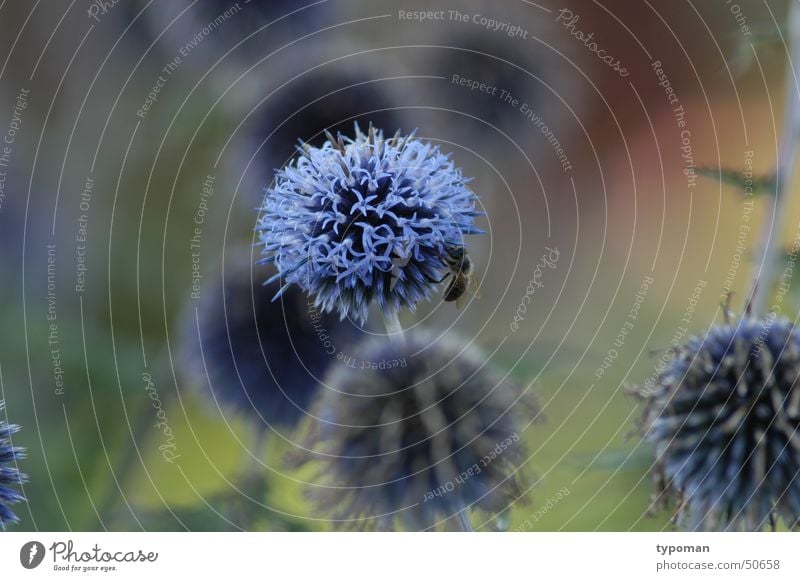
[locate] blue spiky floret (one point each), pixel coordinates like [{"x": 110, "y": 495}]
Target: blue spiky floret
[
  {"x": 724, "y": 416},
  {"x": 10, "y": 476},
  {"x": 366, "y": 220}
]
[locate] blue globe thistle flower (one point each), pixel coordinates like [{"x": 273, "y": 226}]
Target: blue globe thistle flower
[
  {"x": 411, "y": 436},
  {"x": 724, "y": 417},
  {"x": 261, "y": 358},
  {"x": 10, "y": 475},
  {"x": 366, "y": 220}
]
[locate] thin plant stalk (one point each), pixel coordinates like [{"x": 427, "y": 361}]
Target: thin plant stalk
[
  {"x": 463, "y": 521},
  {"x": 393, "y": 327},
  {"x": 774, "y": 216}
]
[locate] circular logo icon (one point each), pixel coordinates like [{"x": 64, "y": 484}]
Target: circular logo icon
[{"x": 31, "y": 554}]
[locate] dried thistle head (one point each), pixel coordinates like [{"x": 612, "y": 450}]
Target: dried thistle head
[
  {"x": 412, "y": 436},
  {"x": 724, "y": 417}
]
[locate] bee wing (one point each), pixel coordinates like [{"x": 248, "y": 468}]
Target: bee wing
[
  {"x": 461, "y": 301},
  {"x": 475, "y": 284},
  {"x": 446, "y": 295}
]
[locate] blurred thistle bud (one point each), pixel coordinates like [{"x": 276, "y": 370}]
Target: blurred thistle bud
[
  {"x": 197, "y": 34},
  {"x": 502, "y": 91},
  {"x": 366, "y": 220},
  {"x": 724, "y": 416},
  {"x": 251, "y": 355},
  {"x": 500, "y": 65},
  {"x": 10, "y": 476},
  {"x": 415, "y": 436},
  {"x": 330, "y": 98}
]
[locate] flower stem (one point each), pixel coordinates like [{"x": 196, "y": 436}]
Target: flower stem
[
  {"x": 463, "y": 521},
  {"x": 109, "y": 505},
  {"x": 393, "y": 327},
  {"x": 770, "y": 243}
]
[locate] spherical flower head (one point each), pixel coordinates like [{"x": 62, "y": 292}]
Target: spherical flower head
[
  {"x": 724, "y": 417},
  {"x": 414, "y": 437},
  {"x": 260, "y": 358},
  {"x": 10, "y": 476},
  {"x": 366, "y": 220}
]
